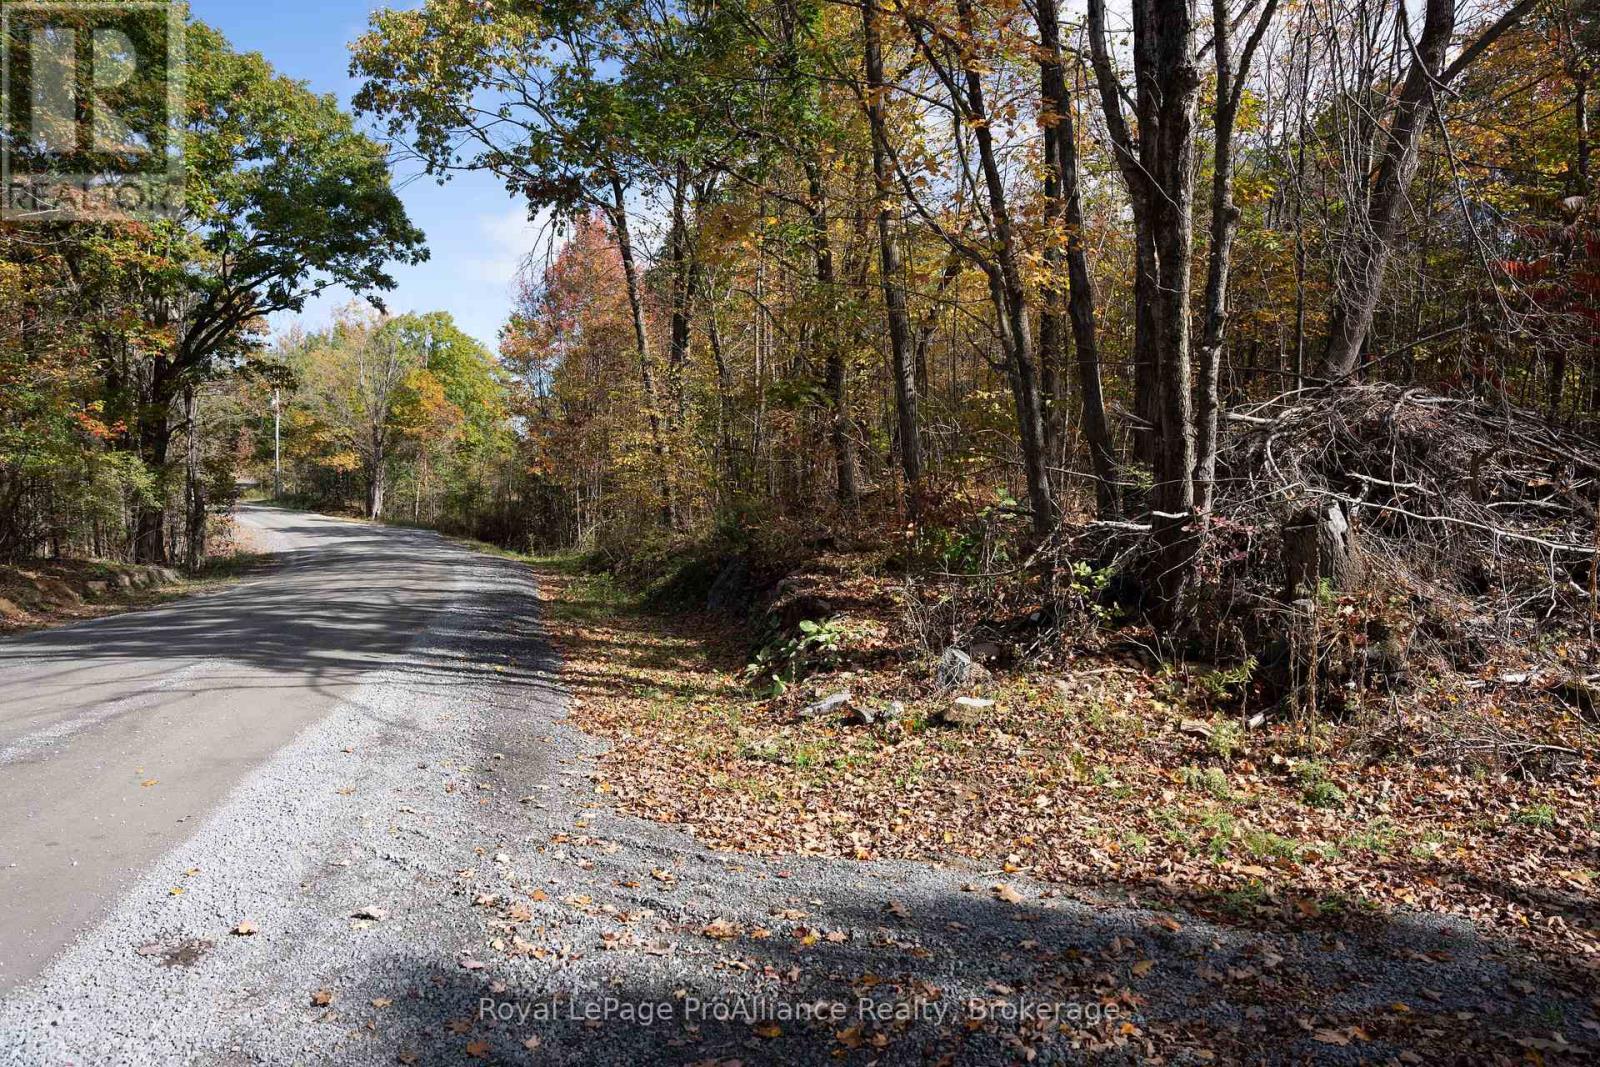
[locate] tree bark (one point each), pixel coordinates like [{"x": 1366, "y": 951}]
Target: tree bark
[
  {"x": 194, "y": 483},
  {"x": 1361, "y": 269},
  {"x": 1231, "y": 78},
  {"x": 1063, "y": 188},
  {"x": 1168, "y": 86},
  {"x": 155, "y": 438},
  {"x": 846, "y": 488},
  {"x": 1016, "y": 327},
  {"x": 1147, "y": 274},
  {"x": 618, "y": 212},
  {"x": 901, "y": 357},
  {"x": 1580, "y": 118},
  {"x": 376, "y": 473}
]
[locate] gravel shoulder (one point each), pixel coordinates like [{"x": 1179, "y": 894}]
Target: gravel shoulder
[{"x": 433, "y": 874}]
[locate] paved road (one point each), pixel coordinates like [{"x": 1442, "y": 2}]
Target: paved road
[{"x": 189, "y": 698}]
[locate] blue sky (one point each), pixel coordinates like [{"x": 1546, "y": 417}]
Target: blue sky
[{"x": 476, "y": 233}]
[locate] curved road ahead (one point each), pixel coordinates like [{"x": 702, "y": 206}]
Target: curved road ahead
[{"x": 116, "y": 734}]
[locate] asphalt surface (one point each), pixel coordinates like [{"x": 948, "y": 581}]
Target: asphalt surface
[{"x": 369, "y": 753}]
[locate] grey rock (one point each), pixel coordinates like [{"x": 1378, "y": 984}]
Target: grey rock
[
  {"x": 966, "y": 711},
  {"x": 826, "y": 705},
  {"x": 957, "y": 669},
  {"x": 868, "y": 714}
]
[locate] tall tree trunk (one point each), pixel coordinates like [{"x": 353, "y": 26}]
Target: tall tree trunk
[
  {"x": 901, "y": 356},
  {"x": 155, "y": 437},
  {"x": 1146, "y": 345},
  {"x": 1147, "y": 272},
  {"x": 1168, "y": 86},
  {"x": 1231, "y": 77},
  {"x": 1361, "y": 268},
  {"x": 1061, "y": 179},
  {"x": 681, "y": 268},
  {"x": 846, "y": 489},
  {"x": 376, "y": 472},
  {"x": 727, "y": 465},
  {"x": 1016, "y": 326},
  {"x": 1580, "y": 119},
  {"x": 194, "y": 484},
  {"x": 618, "y": 212}
]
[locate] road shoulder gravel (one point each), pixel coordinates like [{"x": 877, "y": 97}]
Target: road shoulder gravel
[{"x": 429, "y": 875}]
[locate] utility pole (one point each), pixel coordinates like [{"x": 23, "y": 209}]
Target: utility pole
[{"x": 277, "y": 445}]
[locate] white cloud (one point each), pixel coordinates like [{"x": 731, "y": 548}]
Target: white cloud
[{"x": 508, "y": 237}]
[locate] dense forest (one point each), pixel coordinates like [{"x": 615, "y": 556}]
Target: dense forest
[
  {"x": 1181, "y": 294},
  {"x": 959, "y": 508},
  {"x": 121, "y": 339}
]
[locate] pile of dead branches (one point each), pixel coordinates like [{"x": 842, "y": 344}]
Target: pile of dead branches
[{"x": 1481, "y": 513}]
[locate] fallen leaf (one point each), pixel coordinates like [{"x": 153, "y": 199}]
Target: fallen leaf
[
  {"x": 1007, "y": 894},
  {"x": 478, "y": 1050},
  {"x": 322, "y": 998},
  {"x": 245, "y": 928},
  {"x": 148, "y": 782},
  {"x": 769, "y": 1031},
  {"x": 376, "y": 915}
]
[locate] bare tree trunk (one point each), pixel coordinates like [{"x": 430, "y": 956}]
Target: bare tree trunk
[
  {"x": 376, "y": 473},
  {"x": 679, "y": 262},
  {"x": 1580, "y": 117},
  {"x": 846, "y": 489},
  {"x": 155, "y": 437},
  {"x": 1016, "y": 326},
  {"x": 641, "y": 338},
  {"x": 1146, "y": 276},
  {"x": 1224, "y": 226},
  {"x": 194, "y": 485},
  {"x": 1361, "y": 268},
  {"x": 1168, "y": 86},
  {"x": 1062, "y": 185},
  {"x": 726, "y": 461},
  {"x": 901, "y": 356}
]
